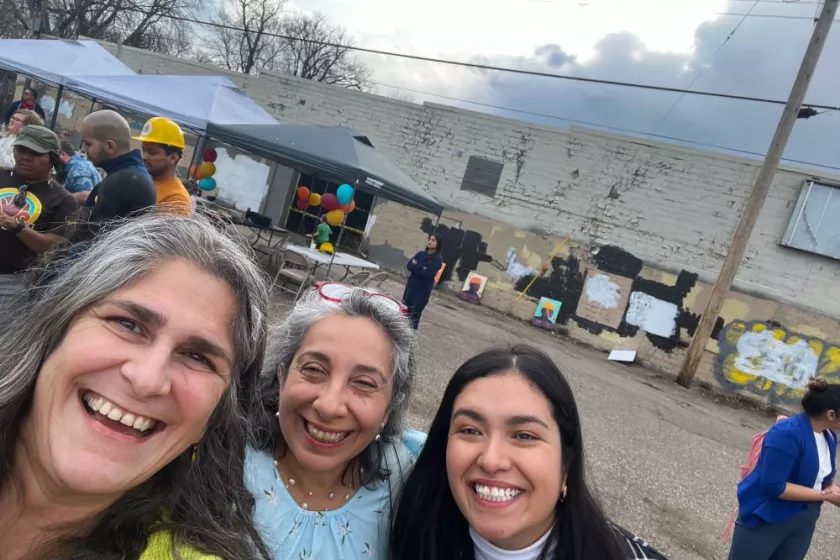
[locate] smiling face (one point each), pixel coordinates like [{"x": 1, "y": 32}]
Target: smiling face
[
  {"x": 336, "y": 395},
  {"x": 133, "y": 383},
  {"x": 504, "y": 460},
  {"x": 16, "y": 123}
]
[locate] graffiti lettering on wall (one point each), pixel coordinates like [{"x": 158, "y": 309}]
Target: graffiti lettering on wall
[
  {"x": 462, "y": 250},
  {"x": 613, "y": 298},
  {"x": 770, "y": 361}
]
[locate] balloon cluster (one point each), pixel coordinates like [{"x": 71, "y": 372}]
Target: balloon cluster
[
  {"x": 337, "y": 205},
  {"x": 206, "y": 170}
]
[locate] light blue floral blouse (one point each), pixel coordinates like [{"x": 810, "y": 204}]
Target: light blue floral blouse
[{"x": 358, "y": 530}]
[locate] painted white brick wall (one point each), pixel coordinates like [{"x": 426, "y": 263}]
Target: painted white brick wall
[{"x": 672, "y": 207}]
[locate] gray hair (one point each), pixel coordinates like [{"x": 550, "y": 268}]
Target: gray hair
[
  {"x": 285, "y": 341},
  {"x": 207, "y": 502}
]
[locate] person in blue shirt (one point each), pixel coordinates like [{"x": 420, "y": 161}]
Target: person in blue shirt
[
  {"x": 330, "y": 452},
  {"x": 423, "y": 267},
  {"x": 780, "y": 500},
  {"x": 80, "y": 175}
]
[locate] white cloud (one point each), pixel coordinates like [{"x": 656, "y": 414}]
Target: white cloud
[{"x": 663, "y": 42}]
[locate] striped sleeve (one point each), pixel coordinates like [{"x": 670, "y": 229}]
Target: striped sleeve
[{"x": 635, "y": 547}]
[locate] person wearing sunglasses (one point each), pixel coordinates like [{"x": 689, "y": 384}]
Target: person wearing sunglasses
[
  {"x": 7, "y": 141},
  {"x": 34, "y": 211},
  {"x": 330, "y": 451},
  {"x": 28, "y": 102}
]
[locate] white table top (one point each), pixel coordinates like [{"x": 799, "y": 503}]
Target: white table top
[{"x": 341, "y": 259}]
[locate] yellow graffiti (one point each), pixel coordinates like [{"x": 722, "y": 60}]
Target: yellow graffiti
[{"x": 767, "y": 360}]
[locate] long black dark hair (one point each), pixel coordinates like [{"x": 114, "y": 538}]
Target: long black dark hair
[
  {"x": 439, "y": 248},
  {"x": 427, "y": 524}
]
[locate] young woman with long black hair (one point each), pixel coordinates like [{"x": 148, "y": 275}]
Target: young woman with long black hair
[
  {"x": 502, "y": 472},
  {"x": 423, "y": 268}
]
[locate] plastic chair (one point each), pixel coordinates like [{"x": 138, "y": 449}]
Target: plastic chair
[
  {"x": 292, "y": 267},
  {"x": 376, "y": 280},
  {"x": 357, "y": 279}
]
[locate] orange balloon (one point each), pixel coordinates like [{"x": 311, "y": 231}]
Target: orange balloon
[
  {"x": 303, "y": 193},
  {"x": 347, "y": 208},
  {"x": 192, "y": 171}
]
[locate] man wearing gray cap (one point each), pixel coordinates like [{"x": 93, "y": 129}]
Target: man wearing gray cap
[{"x": 34, "y": 211}]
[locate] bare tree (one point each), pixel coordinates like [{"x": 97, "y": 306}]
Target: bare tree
[
  {"x": 402, "y": 96},
  {"x": 314, "y": 49},
  {"x": 245, "y": 38},
  {"x": 151, "y": 24}
]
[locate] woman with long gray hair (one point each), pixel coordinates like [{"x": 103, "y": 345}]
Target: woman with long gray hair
[
  {"x": 122, "y": 391},
  {"x": 331, "y": 451}
]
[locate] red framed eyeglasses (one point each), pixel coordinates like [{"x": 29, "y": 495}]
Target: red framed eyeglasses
[{"x": 336, "y": 292}]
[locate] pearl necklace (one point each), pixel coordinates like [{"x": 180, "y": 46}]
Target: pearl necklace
[{"x": 291, "y": 482}]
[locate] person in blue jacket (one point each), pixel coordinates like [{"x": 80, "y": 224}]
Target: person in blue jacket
[
  {"x": 423, "y": 268},
  {"x": 780, "y": 500}
]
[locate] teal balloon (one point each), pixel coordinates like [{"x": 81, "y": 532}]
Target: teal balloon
[
  {"x": 207, "y": 184},
  {"x": 344, "y": 194}
]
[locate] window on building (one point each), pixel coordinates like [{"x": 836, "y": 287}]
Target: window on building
[
  {"x": 814, "y": 226},
  {"x": 482, "y": 176}
]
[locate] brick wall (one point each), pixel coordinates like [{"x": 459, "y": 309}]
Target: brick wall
[
  {"x": 647, "y": 222},
  {"x": 671, "y": 207}
]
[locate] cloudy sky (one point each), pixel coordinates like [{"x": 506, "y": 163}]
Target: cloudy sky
[{"x": 662, "y": 42}]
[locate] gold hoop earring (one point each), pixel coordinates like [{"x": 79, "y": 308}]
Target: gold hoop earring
[{"x": 195, "y": 453}]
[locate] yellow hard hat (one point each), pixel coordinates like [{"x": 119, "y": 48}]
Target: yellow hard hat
[{"x": 160, "y": 130}]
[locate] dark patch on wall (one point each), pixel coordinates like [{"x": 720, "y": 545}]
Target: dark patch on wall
[
  {"x": 676, "y": 294},
  {"x": 463, "y": 250},
  {"x": 615, "y": 260},
  {"x": 563, "y": 282}
]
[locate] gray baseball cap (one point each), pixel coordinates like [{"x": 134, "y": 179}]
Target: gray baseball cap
[{"x": 39, "y": 139}]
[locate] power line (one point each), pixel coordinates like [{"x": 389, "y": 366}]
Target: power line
[
  {"x": 703, "y": 68},
  {"x": 492, "y": 68},
  {"x": 608, "y": 127},
  {"x": 780, "y": 2}
]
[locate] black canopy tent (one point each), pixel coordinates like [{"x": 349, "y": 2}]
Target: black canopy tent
[
  {"x": 329, "y": 152},
  {"x": 334, "y": 153}
]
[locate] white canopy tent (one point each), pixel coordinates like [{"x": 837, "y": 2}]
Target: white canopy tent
[
  {"x": 191, "y": 101},
  {"x": 53, "y": 61}
]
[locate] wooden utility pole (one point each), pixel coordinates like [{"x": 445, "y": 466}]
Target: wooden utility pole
[{"x": 741, "y": 237}]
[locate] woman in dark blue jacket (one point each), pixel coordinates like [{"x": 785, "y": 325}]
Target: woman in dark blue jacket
[
  {"x": 423, "y": 268},
  {"x": 780, "y": 500}
]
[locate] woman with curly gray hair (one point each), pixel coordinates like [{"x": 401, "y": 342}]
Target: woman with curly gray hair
[
  {"x": 123, "y": 387},
  {"x": 331, "y": 451}
]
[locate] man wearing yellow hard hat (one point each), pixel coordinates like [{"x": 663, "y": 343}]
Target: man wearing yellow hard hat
[{"x": 163, "y": 148}]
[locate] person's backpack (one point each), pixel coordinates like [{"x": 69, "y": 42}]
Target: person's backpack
[{"x": 752, "y": 461}]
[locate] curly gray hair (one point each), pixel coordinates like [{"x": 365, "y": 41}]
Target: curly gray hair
[{"x": 285, "y": 340}]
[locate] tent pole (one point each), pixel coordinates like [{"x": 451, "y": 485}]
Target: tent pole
[
  {"x": 437, "y": 223},
  {"x": 54, "y": 116},
  {"x": 341, "y": 231}
]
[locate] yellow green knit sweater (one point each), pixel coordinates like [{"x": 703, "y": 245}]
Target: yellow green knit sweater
[{"x": 160, "y": 548}]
